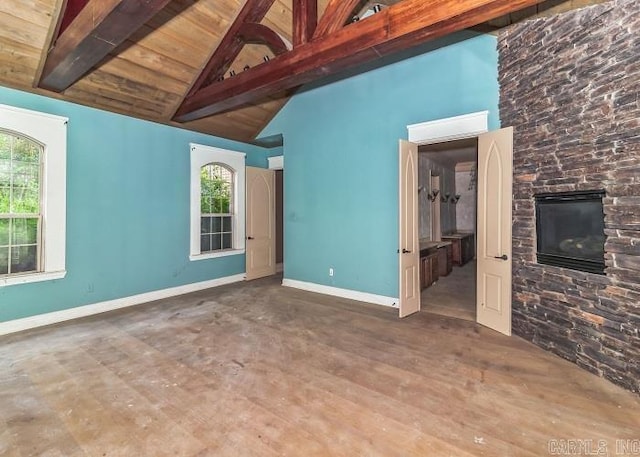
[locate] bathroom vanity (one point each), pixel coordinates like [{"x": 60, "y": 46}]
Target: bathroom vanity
[
  {"x": 463, "y": 247},
  {"x": 436, "y": 259}
]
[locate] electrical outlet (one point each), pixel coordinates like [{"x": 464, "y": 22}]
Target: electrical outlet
[{"x": 330, "y": 271}]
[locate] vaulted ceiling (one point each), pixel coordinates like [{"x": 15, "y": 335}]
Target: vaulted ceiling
[{"x": 223, "y": 67}]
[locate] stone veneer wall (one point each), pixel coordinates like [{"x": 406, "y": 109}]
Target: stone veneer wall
[{"x": 570, "y": 87}]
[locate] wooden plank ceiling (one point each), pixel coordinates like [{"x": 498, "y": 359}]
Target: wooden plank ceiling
[{"x": 148, "y": 70}]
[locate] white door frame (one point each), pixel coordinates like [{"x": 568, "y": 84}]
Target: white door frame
[
  {"x": 277, "y": 163},
  {"x": 448, "y": 129}
]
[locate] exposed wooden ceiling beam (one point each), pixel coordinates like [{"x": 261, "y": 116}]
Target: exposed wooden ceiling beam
[
  {"x": 252, "y": 32},
  {"x": 305, "y": 20},
  {"x": 98, "y": 28},
  {"x": 335, "y": 16},
  {"x": 398, "y": 27},
  {"x": 231, "y": 44},
  {"x": 70, "y": 10}
]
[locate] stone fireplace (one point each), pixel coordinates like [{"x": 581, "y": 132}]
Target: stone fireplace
[{"x": 570, "y": 87}]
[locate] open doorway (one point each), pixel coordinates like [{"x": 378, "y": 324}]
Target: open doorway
[
  {"x": 447, "y": 205},
  {"x": 279, "y": 220},
  {"x": 276, "y": 163},
  {"x": 494, "y": 219}
]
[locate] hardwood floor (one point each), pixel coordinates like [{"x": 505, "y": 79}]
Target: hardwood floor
[
  {"x": 453, "y": 295},
  {"x": 257, "y": 369}
]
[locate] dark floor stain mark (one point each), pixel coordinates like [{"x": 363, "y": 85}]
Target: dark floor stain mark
[{"x": 238, "y": 363}]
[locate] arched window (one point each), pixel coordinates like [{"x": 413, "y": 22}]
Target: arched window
[
  {"x": 217, "y": 181},
  {"x": 216, "y": 208},
  {"x": 20, "y": 204}
]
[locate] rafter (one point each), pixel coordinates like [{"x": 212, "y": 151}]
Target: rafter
[
  {"x": 335, "y": 16},
  {"x": 71, "y": 9},
  {"x": 252, "y": 32},
  {"x": 98, "y": 28},
  {"x": 229, "y": 48},
  {"x": 398, "y": 27},
  {"x": 305, "y": 20}
]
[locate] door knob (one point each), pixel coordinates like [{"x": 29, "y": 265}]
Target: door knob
[
  {"x": 502, "y": 257},
  {"x": 249, "y": 237},
  {"x": 404, "y": 251}
]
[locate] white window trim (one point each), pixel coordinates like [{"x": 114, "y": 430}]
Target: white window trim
[
  {"x": 51, "y": 131},
  {"x": 200, "y": 156}
]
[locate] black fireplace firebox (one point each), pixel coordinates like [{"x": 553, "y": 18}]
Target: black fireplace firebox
[{"x": 570, "y": 230}]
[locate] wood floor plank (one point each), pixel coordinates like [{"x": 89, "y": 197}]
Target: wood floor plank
[
  {"x": 453, "y": 295},
  {"x": 102, "y": 414},
  {"x": 257, "y": 369},
  {"x": 200, "y": 401}
]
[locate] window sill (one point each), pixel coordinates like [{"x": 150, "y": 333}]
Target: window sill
[
  {"x": 215, "y": 255},
  {"x": 32, "y": 277}
]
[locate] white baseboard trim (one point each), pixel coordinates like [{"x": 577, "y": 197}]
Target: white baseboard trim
[
  {"x": 55, "y": 317},
  {"x": 343, "y": 293}
]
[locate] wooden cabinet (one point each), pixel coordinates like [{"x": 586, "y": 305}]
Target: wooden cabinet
[
  {"x": 468, "y": 248},
  {"x": 428, "y": 270},
  {"x": 463, "y": 247},
  {"x": 445, "y": 259}
]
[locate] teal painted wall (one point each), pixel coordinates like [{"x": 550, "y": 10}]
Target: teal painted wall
[
  {"x": 127, "y": 210},
  {"x": 341, "y": 158},
  {"x": 275, "y": 151}
]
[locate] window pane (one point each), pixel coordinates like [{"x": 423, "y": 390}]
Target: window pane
[
  {"x": 5, "y": 145},
  {"x": 25, "y": 174},
  {"x": 19, "y": 174},
  {"x": 216, "y": 183},
  {"x": 224, "y": 205},
  {"x": 217, "y": 225},
  {"x": 216, "y": 242},
  {"x": 27, "y": 168},
  {"x": 4, "y": 261},
  {"x": 25, "y": 150},
  {"x": 205, "y": 224},
  {"x": 226, "y": 224},
  {"x": 5, "y": 171},
  {"x": 24, "y": 231},
  {"x": 24, "y": 259},
  {"x": 4, "y": 199},
  {"x": 26, "y": 200},
  {"x": 205, "y": 243},
  {"x": 217, "y": 206},
  {"x": 206, "y": 206},
  {"x": 4, "y": 232},
  {"x": 226, "y": 241},
  {"x": 216, "y": 187}
]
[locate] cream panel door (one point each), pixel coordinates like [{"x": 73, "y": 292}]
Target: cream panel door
[
  {"x": 495, "y": 171},
  {"x": 261, "y": 223},
  {"x": 409, "y": 250}
]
